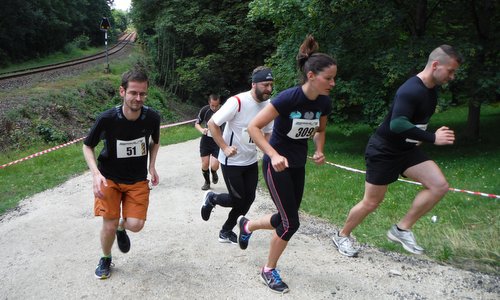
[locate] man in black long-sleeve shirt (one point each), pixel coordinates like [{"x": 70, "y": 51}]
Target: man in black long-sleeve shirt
[{"x": 393, "y": 150}]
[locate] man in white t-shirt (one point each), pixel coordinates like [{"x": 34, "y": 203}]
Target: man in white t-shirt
[{"x": 238, "y": 155}]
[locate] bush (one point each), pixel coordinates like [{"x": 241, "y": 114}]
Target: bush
[{"x": 81, "y": 42}]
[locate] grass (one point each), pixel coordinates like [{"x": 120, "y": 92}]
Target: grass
[
  {"x": 49, "y": 170},
  {"x": 65, "y": 95},
  {"x": 468, "y": 227},
  {"x": 467, "y": 231}
]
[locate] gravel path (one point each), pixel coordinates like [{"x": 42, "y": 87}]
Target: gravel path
[{"x": 50, "y": 246}]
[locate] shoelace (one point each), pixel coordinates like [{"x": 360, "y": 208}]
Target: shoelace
[
  {"x": 107, "y": 263},
  {"x": 345, "y": 239},
  {"x": 276, "y": 276},
  {"x": 246, "y": 236}
]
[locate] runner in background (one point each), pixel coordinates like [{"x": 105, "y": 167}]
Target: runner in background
[{"x": 209, "y": 151}]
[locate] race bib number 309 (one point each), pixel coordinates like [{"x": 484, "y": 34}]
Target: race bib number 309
[
  {"x": 303, "y": 129},
  {"x": 133, "y": 148}
]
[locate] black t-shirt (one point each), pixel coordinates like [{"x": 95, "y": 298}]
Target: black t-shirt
[
  {"x": 203, "y": 117},
  {"x": 297, "y": 121},
  {"x": 124, "y": 157}
]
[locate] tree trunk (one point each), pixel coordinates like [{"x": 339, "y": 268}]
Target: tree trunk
[
  {"x": 421, "y": 18},
  {"x": 472, "y": 130}
]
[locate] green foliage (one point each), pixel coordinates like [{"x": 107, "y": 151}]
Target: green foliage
[
  {"x": 120, "y": 20},
  {"x": 379, "y": 46},
  {"x": 25, "y": 26},
  {"x": 50, "y": 134},
  {"x": 82, "y": 42},
  {"x": 202, "y": 47}
]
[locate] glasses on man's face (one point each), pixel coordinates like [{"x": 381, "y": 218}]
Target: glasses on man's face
[{"x": 134, "y": 94}]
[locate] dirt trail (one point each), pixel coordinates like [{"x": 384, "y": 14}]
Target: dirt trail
[{"x": 50, "y": 246}]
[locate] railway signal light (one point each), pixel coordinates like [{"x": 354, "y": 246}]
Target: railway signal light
[
  {"x": 105, "y": 24},
  {"x": 104, "y": 27}
]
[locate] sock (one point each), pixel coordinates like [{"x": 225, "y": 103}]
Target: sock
[
  {"x": 107, "y": 255},
  {"x": 206, "y": 175},
  {"x": 213, "y": 172},
  {"x": 267, "y": 270},
  {"x": 400, "y": 228},
  {"x": 245, "y": 227},
  {"x": 120, "y": 225}
]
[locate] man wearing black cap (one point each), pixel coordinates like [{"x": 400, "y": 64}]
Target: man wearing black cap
[{"x": 238, "y": 157}]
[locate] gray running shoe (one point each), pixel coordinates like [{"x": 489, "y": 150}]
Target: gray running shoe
[
  {"x": 207, "y": 205},
  {"x": 273, "y": 281},
  {"x": 228, "y": 237},
  {"x": 405, "y": 238},
  {"x": 344, "y": 244}
]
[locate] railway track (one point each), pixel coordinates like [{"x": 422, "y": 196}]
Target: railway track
[{"x": 123, "y": 41}]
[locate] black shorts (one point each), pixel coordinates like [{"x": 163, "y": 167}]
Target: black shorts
[
  {"x": 208, "y": 146},
  {"x": 384, "y": 163}
]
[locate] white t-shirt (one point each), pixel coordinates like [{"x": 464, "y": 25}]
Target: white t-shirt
[{"x": 235, "y": 133}]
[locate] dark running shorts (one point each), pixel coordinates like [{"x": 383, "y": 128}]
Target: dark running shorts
[
  {"x": 384, "y": 163},
  {"x": 208, "y": 146}
]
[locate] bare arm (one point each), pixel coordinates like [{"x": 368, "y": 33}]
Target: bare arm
[
  {"x": 319, "y": 141},
  {"x": 202, "y": 130},
  {"x": 155, "y": 179},
  {"x": 97, "y": 179},
  {"x": 219, "y": 140},
  {"x": 264, "y": 117}
]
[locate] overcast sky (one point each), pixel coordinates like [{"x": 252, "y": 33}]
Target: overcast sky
[{"x": 122, "y": 4}]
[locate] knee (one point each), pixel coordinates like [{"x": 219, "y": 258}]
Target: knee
[
  {"x": 134, "y": 226},
  {"x": 290, "y": 230},
  {"x": 440, "y": 188},
  {"x": 369, "y": 205},
  {"x": 109, "y": 228}
]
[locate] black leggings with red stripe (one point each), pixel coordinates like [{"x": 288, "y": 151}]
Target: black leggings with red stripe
[{"x": 286, "y": 189}]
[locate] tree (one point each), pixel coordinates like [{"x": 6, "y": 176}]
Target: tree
[
  {"x": 201, "y": 47},
  {"x": 120, "y": 20},
  {"x": 33, "y": 28},
  {"x": 380, "y": 46}
]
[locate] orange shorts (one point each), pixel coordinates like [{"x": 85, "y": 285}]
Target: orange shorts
[{"x": 133, "y": 199}]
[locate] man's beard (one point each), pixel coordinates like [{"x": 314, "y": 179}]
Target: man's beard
[{"x": 260, "y": 95}]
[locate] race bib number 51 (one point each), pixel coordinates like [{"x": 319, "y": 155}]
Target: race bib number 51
[
  {"x": 133, "y": 148},
  {"x": 303, "y": 129}
]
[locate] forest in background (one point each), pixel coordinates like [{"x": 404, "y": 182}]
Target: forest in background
[
  {"x": 35, "y": 28},
  {"x": 198, "y": 47},
  {"x": 203, "y": 46}
]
